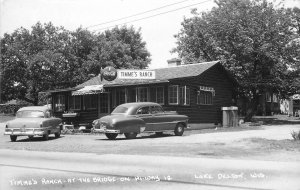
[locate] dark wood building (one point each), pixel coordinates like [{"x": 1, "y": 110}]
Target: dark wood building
[
  {"x": 269, "y": 103},
  {"x": 196, "y": 90}
]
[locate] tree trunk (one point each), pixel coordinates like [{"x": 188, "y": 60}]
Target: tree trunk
[{"x": 252, "y": 108}]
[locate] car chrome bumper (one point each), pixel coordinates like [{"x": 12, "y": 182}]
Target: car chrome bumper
[
  {"x": 24, "y": 132},
  {"x": 103, "y": 130}
]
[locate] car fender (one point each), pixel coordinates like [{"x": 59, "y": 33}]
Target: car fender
[{"x": 129, "y": 124}]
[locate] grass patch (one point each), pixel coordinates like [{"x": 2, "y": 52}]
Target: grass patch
[{"x": 267, "y": 144}]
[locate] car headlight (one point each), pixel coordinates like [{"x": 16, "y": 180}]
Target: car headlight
[{"x": 95, "y": 122}]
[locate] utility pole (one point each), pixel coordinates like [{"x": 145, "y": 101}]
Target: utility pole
[
  {"x": 1, "y": 74},
  {"x": 0, "y": 87}
]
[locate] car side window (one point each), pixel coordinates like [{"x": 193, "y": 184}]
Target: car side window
[
  {"x": 156, "y": 109},
  {"x": 143, "y": 110}
]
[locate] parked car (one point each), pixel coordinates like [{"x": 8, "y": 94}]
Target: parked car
[
  {"x": 138, "y": 117},
  {"x": 33, "y": 121}
]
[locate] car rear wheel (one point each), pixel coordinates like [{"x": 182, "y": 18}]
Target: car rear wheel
[
  {"x": 130, "y": 135},
  {"x": 57, "y": 134},
  {"x": 46, "y": 137},
  {"x": 111, "y": 136},
  {"x": 179, "y": 129},
  {"x": 13, "y": 138}
]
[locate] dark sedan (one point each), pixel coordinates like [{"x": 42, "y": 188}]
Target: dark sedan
[{"x": 138, "y": 117}]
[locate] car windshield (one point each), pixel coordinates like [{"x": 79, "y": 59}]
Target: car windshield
[
  {"x": 120, "y": 109},
  {"x": 28, "y": 113}
]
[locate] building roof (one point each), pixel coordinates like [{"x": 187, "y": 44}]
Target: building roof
[{"x": 162, "y": 75}]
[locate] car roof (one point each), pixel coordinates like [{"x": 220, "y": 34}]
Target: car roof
[
  {"x": 35, "y": 108},
  {"x": 133, "y": 106},
  {"x": 139, "y": 104}
]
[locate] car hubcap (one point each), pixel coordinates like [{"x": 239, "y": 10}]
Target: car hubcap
[{"x": 179, "y": 129}]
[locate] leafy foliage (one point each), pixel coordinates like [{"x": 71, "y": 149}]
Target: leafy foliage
[
  {"x": 255, "y": 41},
  {"x": 296, "y": 135},
  {"x": 121, "y": 48},
  {"x": 48, "y": 57}
]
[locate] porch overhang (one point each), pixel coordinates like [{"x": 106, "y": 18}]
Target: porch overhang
[{"x": 91, "y": 89}]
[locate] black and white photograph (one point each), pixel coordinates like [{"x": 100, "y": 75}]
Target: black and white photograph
[{"x": 140, "y": 94}]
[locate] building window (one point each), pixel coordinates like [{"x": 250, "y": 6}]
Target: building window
[
  {"x": 268, "y": 97},
  {"x": 157, "y": 95},
  {"x": 179, "y": 95},
  {"x": 59, "y": 103},
  {"x": 160, "y": 95},
  {"x": 173, "y": 94},
  {"x": 205, "y": 95},
  {"x": 131, "y": 94},
  {"x": 142, "y": 94},
  {"x": 275, "y": 98},
  {"x": 74, "y": 102},
  {"x": 104, "y": 103},
  {"x": 120, "y": 96},
  {"x": 90, "y": 101}
]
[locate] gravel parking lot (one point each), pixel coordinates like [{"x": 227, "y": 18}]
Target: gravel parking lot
[{"x": 260, "y": 142}]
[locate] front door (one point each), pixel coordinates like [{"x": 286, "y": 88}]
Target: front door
[
  {"x": 160, "y": 120},
  {"x": 144, "y": 114}
]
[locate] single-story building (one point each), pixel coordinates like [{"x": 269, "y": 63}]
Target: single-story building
[
  {"x": 269, "y": 103},
  {"x": 196, "y": 90},
  {"x": 291, "y": 106}
]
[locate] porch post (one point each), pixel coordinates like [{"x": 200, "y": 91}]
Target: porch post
[
  {"x": 98, "y": 105},
  {"x": 109, "y": 108},
  {"x": 126, "y": 95},
  {"x": 136, "y": 94}
]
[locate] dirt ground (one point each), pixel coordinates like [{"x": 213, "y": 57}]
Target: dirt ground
[{"x": 266, "y": 142}]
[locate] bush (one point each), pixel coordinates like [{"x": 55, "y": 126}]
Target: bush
[{"x": 296, "y": 135}]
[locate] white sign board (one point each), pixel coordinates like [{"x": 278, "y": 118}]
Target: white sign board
[{"x": 136, "y": 74}]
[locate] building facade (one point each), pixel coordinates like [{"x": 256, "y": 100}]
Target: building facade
[{"x": 196, "y": 90}]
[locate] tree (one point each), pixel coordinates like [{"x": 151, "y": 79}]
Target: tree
[
  {"x": 252, "y": 38},
  {"x": 121, "y": 48},
  {"x": 31, "y": 61},
  {"x": 49, "y": 57}
]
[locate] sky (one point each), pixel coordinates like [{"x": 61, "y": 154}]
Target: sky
[{"x": 157, "y": 31}]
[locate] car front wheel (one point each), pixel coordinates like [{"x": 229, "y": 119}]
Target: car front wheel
[
  {"x": 130, "y": 135},
  {"x": 57, "y": 134},
  {"x": 46, "y": 137},
  {"x": 13, "y": 138},
  {"x": 111, "y": 136},
  {"x": 179, "y": 129}
]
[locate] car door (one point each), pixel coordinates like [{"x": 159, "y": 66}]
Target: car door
[
  {"x": 53, "y": 122},
  {"x": 161, "y": 121},
  {"x": 144, "y": 114}
]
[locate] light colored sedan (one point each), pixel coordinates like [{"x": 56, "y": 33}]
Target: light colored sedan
[
  {"x": 138, "y": 117},
  {"x": 33, "y": 121}
]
